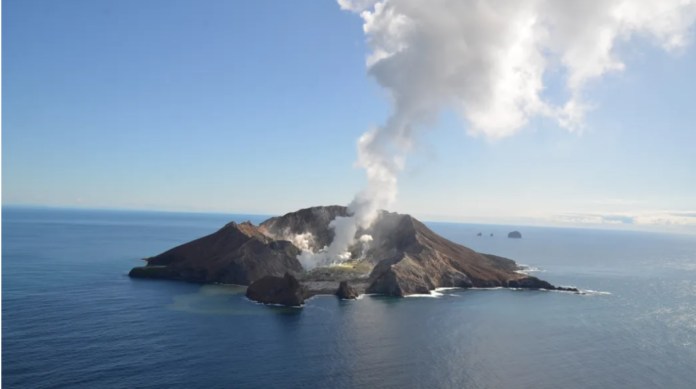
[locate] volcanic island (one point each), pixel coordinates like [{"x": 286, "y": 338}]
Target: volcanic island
[{"x": 401, "y": 257}]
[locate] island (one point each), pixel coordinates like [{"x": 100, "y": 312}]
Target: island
[
  {"x": 515, "y": 235},
  {"x": 401, "y": 258}
]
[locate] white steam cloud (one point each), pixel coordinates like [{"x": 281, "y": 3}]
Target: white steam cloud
[{"x": 486, "y": 60}]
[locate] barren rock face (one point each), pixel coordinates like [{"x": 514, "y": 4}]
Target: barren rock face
[
  {"x": 284, "y": 290},
  {"x": 346, "y": 292},
  {"x": 235, "y": 254},
  {"x": 425, "y": 261}
]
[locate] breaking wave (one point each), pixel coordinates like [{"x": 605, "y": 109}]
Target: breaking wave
[
  {"x": 276, "y": 305},
  {"x": 593, "y": 292},
  {"x": 433, "y": 293},
  {"x": 526, "y": 269}
]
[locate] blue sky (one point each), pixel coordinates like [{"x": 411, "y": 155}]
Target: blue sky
[{"x": 256, "y": 107}]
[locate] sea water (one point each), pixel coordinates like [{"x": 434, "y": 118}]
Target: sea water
[{"x": 71, "y": 318}]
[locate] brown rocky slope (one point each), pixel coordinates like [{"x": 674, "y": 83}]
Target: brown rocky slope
[{"x": 235, "y": 254}]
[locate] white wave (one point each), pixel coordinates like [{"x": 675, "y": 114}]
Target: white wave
[
  {"x": 526, "y": 270},
  {"x": 433, "y": 293},
  {"x": 275, "y": 305},
  {"x": 361, "y": 296},
  {"x": 545, "y": 290},
  {"x": 494, "y": 288},
  {"x": 593, "y": 292}
]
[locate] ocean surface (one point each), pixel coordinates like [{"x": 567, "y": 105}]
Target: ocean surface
[{"x": 71, "y": 318}]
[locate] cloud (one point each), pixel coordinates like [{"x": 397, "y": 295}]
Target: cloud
[
  {"x": 646, "y": 218},
  {"x": 356, "y": 5},
  {"x": 575, "y": 218},
  {"x": 487, "y": 59},
  {"x": 617, "y": 202},
  {"x": 667, "y": 219}
]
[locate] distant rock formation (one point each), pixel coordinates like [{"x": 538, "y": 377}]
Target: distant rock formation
[
  {"x": 346, "y": 292},
  {"x": 404, "y": 257},
  {"x": 479, "y": 234},
  {"x": 535, "y": 283},
  {"x": 491, "y": 234},
  {"x": 515, "y": 234},
  {"x": 284, "y": 290}
]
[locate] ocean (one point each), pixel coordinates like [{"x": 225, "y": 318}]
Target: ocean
[{"x": 71, "y": 318}]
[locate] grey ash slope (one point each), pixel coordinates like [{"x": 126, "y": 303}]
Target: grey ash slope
[{"x": 405, "y": 257}]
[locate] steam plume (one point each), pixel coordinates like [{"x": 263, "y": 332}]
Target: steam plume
[{"x": 486, "y": 60}]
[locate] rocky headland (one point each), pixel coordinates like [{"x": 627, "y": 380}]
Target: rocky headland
[{"x": 403, "y": 257}]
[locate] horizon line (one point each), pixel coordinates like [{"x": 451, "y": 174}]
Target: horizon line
[{"x": 578, "y": 226}]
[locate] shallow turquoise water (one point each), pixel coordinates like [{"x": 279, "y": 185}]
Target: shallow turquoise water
[{"x": 73, "y": 319}]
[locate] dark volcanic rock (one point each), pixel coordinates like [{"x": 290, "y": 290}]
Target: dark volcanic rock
[
  {"x": 284, "y": 290},
  {"x": 515, "y": 234},
  {"x": 535, "y": 283},
  {"x": 574, "y": 290},
  {"x": 346, "y": 292},
  {"x": 235, "y": 254},
  {"x": 155, "y": 272},
  {"x": 530, "y": 283}
]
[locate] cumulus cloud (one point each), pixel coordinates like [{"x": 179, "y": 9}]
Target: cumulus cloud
[{"x": 487, "y": 59}]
